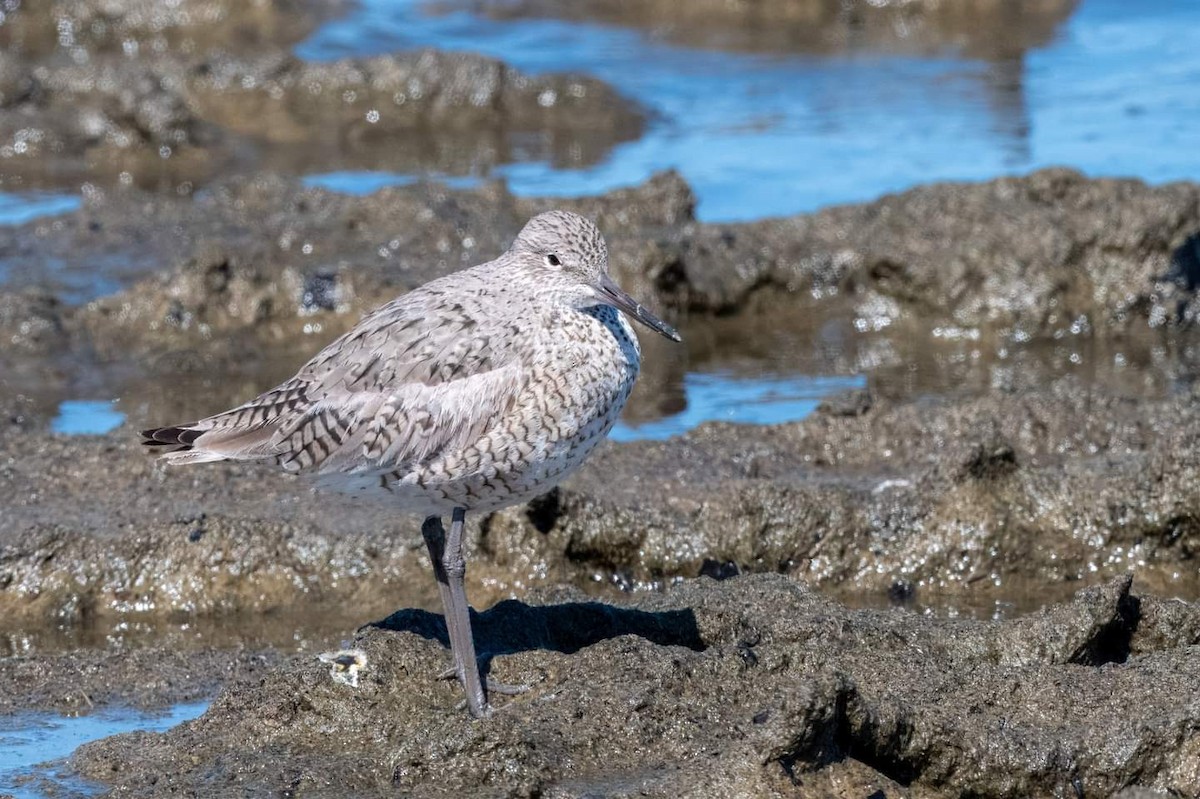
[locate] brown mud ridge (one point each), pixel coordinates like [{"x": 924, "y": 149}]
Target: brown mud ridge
[
  {"x": 753, "y": 686},
  {"x": 1053, "y": 488},
  {"x": 229, "y": 290},
  {"x": 146, "y": 678},
  {"x": 977, "y": 28},
  {"x": 263, "y": 261},
  {"x": 174, "y": 95},
  {"x": 1049, "y": 481}
]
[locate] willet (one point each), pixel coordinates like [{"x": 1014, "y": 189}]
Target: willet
[{"x": 478, "y": 390}]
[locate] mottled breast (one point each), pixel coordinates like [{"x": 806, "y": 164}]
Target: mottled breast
[{"x": 578, "y": 374}]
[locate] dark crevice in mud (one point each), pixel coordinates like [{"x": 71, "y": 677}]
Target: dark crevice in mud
[
  {"x": 883, "y": 734},
  {"x": 1176, "y": 287},
  {"x": 543, "y": 512},
  {"x": 865, "y": 749},
  {"x": 990, "y": 459},
  {"x": 1113, "y": 642},
  {"x": 1185, "y": 264},
  {"x": 719, "y": 569},
  {"x": 842, "y": 738}
]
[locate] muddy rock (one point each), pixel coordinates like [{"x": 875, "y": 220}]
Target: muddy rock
[
  {"x": 1052, "y": 254},
  {"x": 749, "y": 686},
  {"x": 79, "y": 545},
  {"x": 388, "y": 107},
  {"x": 84, "y": 29},
  {"x": 146, "y": 678},
  {"x": 269, "y": 263},
  {"x": 1053, "y": 489},
  {"x": 170, "y": 96},
  {"x": 816, "y": 26},
  {"x": 178, "y": 121}
]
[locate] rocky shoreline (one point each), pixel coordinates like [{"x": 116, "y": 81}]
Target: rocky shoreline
[
  {"x": 1050, "y": 254},
  {"x": 752, "y": 686},
  {"x": 131, "y": 94},
  {"x": 1050, "y": 483},
  {"x": 201, "y": 268}
]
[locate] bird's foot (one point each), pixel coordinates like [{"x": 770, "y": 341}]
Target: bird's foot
[
  {"x": 485, "y": 711},
  {"x": 493, "y": 687}
]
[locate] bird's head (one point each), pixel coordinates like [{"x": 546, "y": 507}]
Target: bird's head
[{"x": 569, "y": 258}]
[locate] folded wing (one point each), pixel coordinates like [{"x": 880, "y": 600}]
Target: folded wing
[{"x": 401, "y": 388}]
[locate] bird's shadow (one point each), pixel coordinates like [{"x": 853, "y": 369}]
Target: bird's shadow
[{"x": 512, "y": 626}]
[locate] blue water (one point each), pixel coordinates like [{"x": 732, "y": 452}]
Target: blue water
[
  {"x": 86, "y": 417},
  {"x": 1115, "y": 93},
  {"x": 30, "y": 742},
  {"x": 21, "y": 207},
  {"x": 366, "y": 182},
  {"x": 723, "y": 398},
  {"x": 709, "y": 397}
]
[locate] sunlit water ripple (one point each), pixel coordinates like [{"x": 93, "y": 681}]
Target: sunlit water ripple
[{"x": 761, "y": 135}]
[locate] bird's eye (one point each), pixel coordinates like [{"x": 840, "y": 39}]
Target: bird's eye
[{"x": 552, "y": 259}]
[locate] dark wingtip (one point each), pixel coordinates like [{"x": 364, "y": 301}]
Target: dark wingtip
[{"x": 182, "y": 435}]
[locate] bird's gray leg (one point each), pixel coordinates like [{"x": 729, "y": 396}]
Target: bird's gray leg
[
  {"x": 435, "y": 541},
  {"x": 462, "y": 642},
  {"x": 453, "y": 560}
]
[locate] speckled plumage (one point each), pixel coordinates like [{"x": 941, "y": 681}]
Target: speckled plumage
[{"x": 478, "y": 390}]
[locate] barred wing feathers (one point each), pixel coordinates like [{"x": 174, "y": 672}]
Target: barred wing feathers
[{"x": 407, "y": 383}]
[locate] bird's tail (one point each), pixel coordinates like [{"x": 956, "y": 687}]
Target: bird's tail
[
  {"x": 175, "y": 444},
  {"x": 245, "y": 433}
]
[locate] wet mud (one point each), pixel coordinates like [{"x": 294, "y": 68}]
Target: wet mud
[
  {"x": 814, "y": 26},
  {"x": 172, "y": 97},
  {"x": 977, "y": 28},
  {"x": 1055, "y": 488},
  {"x": 1025, "y": 429},
  {"x": 144, "y": 678},
  {"x": 750, "y": 686}
]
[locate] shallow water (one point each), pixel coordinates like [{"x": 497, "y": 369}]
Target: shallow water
[
  {"x": 707, "y": 397},
  {"x": 33, "y": 746},
  {"x": 767, "y": 368},
  {"x": 1112, "y": 93},
  {"x": 1109, "y": 90},
  {"x": 725, "y": 397},
  {"x": 86, "y": 417},
  {"x": 312, "y": 629},
  {"x": 365, "y": 182},
  {"x": 17, "y": 208}
]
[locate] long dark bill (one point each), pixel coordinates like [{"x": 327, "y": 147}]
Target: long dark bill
[{"x": 613, "y": 295}]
